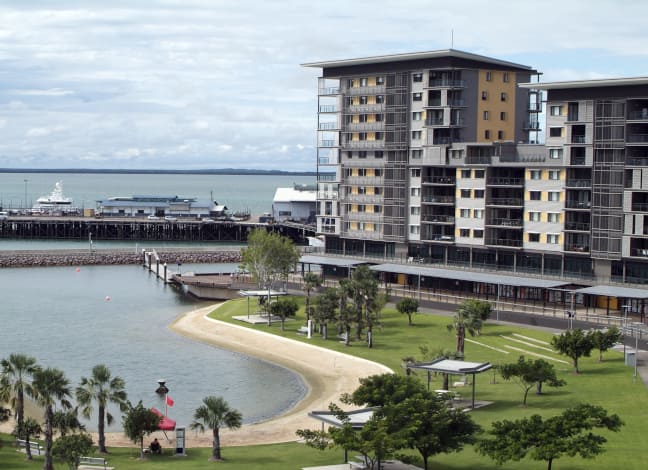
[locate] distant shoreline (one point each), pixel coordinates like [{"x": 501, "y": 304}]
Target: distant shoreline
[{"x": 216, "y": 171}]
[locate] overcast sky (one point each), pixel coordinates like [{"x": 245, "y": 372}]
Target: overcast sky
[{"x": 218, "y": 83}]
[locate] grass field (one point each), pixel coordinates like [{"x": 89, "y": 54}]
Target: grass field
[{"x": 609, "y": 384}]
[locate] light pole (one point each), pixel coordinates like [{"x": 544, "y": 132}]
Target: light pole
[
  {"x": 26, "y": 181},
  {"x": 625, "y": 323}
]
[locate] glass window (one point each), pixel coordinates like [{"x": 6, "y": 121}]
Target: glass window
[
  {"x": 480, "y": 174},
  {"x": 555, "y": 153},
  {"x": 500, "y": 135},
  {"x": 464, "y": 232},
  {"x": 535, "y": 195},
  {"x": 534, "y": 237},
  {"x": 505, "y": 77},
  {"x": 489, "y": 76},
  {"x": 415, "y": 192},
  {"x": 478, "y": 214},
  {"x": 378, "y": 154},
  {"x": 417, "y": 115},
  {"x": 555, "y": 132},
  {"x": 465, "y": 193},
  {"x": 554, "y": 174},
  {"x": 487, "y": 134},
  {"x": 503, "y": 116},
  {"x": 554, "y": 195},
  {"x": 415, "y": 172},
  {"x": 479, "y": 194},
  {"x": 552, "y": 238},
  {"x": 465, "y": 173},
  {"x": 415, "y": 210},
  {"x": 485, "y": 115},
  {"x": 553, "y": 217},
  {"x": 416, "y": 135},
  {"x": 417, "y": 153},
  {"x": 380, "y": 80},
  {"x": 484, "y": 95},
  {"x": 555, "y": 110},
  {"x": 417, "y": 77},
  {"x": 414, "y": 229},
  {"x": 503, "y": 96},
  {"x": 465, "y": 213},
  {"x": 534, "y": 216},
  {"x": 417, "y": 97},
  {"x": 478, "y": 233},
  {"x": 380, "y": 99},
  {"x": 535, "y": 174}
]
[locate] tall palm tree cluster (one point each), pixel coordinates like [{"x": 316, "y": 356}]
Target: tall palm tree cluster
[{"x": 21, "y": 378}]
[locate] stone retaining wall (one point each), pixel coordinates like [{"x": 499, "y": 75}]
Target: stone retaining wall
[{"x": 17, "y": 259}]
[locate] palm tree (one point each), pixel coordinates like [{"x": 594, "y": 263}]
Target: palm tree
[
  {"x": 14, "y": 383},
  {"x": 466, "y": 318},
  {"x": 213, "y": 414},
  {"x": 49, "y": 387},
  {"x": 65, "y": 421},
  {"x": 30, "y": 428},
  {"x": 102, "y": 389},
  {"x": 311, "y": 281}
]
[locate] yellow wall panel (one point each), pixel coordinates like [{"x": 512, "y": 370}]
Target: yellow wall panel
[{"x": 371, "y": 81}]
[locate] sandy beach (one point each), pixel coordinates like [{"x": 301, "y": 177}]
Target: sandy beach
[{"x": 326, "y": 373}]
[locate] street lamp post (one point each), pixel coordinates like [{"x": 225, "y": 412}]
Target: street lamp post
[
  {"x": 25, "y": 205},
  {"x": 625, "y": 324}
]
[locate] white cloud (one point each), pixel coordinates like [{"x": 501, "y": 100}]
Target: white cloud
[{"x": 181, "y": 83}]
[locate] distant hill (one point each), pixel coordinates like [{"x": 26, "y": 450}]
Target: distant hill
[{"x": 216, "y": 171}]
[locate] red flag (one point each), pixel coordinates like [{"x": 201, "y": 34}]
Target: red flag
[{"x": 169, "y": 401}]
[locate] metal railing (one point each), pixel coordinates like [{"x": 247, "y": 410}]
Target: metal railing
[
  {"x": 505, "y": 222},
  {"x": 438, "y": 218},
  {"x": 439, "y": 179},
  {"x": 578, "y": 183},
  {"x": 505, "y": 181},
  {"x": 505, "y": 201},
  {"x": 504, "y": 242},
  {"x": 578, "y": 226},
  {"x": 438, "y": 199}
]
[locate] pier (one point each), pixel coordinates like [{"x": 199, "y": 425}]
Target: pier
[{"x": 129, "y": 228}]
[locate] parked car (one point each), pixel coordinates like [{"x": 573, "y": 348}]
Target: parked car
[
  {"x": 170, "y": 218},
  {"x": 153, "y": 217},
  {"x": 207, "y": 220}
]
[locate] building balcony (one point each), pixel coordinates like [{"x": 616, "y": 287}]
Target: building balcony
[
  {"x": 363, "y": 198},
  {"x": 505, "y": 181},
  {"x": 478, "y": 160},
  {"x": 438, "y": 199},
  {"x": 434, "y": 121},
  {"x": 503, "y": 222},
  {"x": 364, "y": 180},
  {"x": 578, "y": 139},
  {"x": 365, "y": 108},
  {"x": 641, "y": 115},
  {"x": 637, "y": 138},
  {"x": 640, "y": 252},
  {"x": 365, "y": 90},
  {"x": 328, "y": 91},
  {"x": 577, "y": 248},
  {"x": 439, "y": 180},
  {"x": 364, "y": 144},
  {"x": 531, "y": 125},
  {"x": 364, "y": 126},
  {"x": 328, "y": 126},
  {"x": 505, "y": 201},
  {"x": 328, "y": 108},
  {"x": 434, "y": 103},
  {"x": 328, "y": 195},
  {"x": 578, "y": 183},
  {"x": 509, "y": 242},
  {"x": 438, "y": 219},
  {"x": 577, "y": 226},
  {"x": 438, "y": 237},
  {"x": 534, "y": 107},
  {"x": 363, "y": 234},
  {"x": 446, "y": 83},
  {"x": 363, "y": 217},
  {"x": 584, "y": 205},
  {"x": 327, "y": 143},
  {"x": 639, "y": 207},
  {"x": 637, "y": 161}
]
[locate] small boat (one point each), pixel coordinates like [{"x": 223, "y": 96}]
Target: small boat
[{"x": 55, "y": 202}]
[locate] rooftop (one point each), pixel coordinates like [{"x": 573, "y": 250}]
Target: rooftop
[{"x": 606, "y": 82}]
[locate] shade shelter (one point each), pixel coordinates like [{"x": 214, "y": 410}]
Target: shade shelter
[
  {"x": 453, "y": 367},
  {"x": 266, "y": 294},
  {"x": 357, "y": 418}
]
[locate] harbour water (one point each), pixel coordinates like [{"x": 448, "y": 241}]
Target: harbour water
[{"x": 73, "y": 318}]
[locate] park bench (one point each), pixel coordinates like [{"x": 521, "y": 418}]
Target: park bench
[
  {"x": 93, "y": 462},
  {"x": 34, "y": 447}
]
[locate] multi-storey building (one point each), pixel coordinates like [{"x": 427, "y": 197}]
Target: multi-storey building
[{"x": 436, "y": 155}]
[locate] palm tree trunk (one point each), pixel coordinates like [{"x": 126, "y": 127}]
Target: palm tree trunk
[
  {"x": 101, "y": 430},
  {"x": 27, "y": 447},
  {"x": 460, "y": 340},
  {"x": 49, "y": 416},
  {"x": 20, "y": 409},
  {"x": 216, "y": 451}
]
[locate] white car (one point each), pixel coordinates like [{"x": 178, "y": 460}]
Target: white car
[
  {"x": 207, "y": 220},
  {"x": 170, "y": 218},
  {"x": 153, "y": 217}
]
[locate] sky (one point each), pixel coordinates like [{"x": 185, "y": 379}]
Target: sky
[{"x": 200, "y": 84}]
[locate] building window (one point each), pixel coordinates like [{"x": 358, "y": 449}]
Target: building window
[
  {"x": 489, "y": 76},
  {"x": 478, "y": 214},
  {"x": 486, "y": 114},
  {"x": 555, "y": 110},
  {"x": 479, "y": 194},
  {"x": 478, "y": 233},
  {"x": 364, "y": 100},
  {"x": 414, "y": 229},
  {"x": 362, "y": 153},
  {"x": 380, "y": 80},
  {"x": 417, "y": 97},
  {"x": 505, "y": 77},
  {"x": 503, "y": 116},
  {"x": 378, "y": 136},
  {"x": 484, "y": 95},
  {"x": 480, "y": 174},
  {"x": 363, "y": 82},
  {"x": 534, "y": 237},
  {"x": 555, "y": 132},
  {"x": 378, "y": 172},
  {"x": 416, "y": 154},
  {"x": 534, "y": 216},
  {"x": 465, "y": 193},
  {"x": 378, "y": 154},
  {"x": 415, "y": 210},
  {"x": 415, "y": 172},
  {"x": 487, "y": 134},
  {"x": 500, "y": 135},
  {"x": 554, "y": 174},
  {"x": 553, "y": 217},
  {"x": 456, "y": 153},
  {"x": 362, "y": 136},
  {"x": 465, "y": 213},
  {"x": 552, "y": 238},
  {"x": 417, "y": 77},
  {"x": 464, "y": 232},
  {"x": 416, "y": 135},
  {"x": 503, "y": 96},
  {"x": 378, "y": 117},
  {"x": 417, "y": 115},
  {"x": 535, "y": 174},
  {"x": 465, "y": 173},
  {"x": 377, "y": 191},
  {"x": 380, "y": 99},
  {"x": 554, "y": 196},
  {"x": 415, "y": 192},
  {"x": 555, "y": 153},
  {"x": 535, "y": 195}
]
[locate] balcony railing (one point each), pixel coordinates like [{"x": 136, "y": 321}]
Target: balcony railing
[
  {"x": 638, "y": 138},
  {"x": 366, "y": 108},
  {"x": 578, "y": 226},
  {"x": 434, "y": 103},
  {"x": 365, "y": 180},
  {"x": 504, "y": 181},
  {"x": 328, "y": 91},
  {"x": 577, "y": 248},
  {"x": 637, "y": 161},
  {"x": 505, "y": 222},
  {"x": 324, "y": 126},
  {"x": 442, "y": 219},
  {"x": 363, "y": 234},
  {"x": 327, "y": 195},
  {"x": 639, "y": 206},
  {"x": 364, "y": 144},
  {"x": 578, "y": 139},
  {"x": 505, "y": 201},
  {"x": 439, "y": 179},
  {"x": 438, "y": 237},
  {"x": 447, "y": 83},
  {"x": 643, "y": 252},
  {"x": 578, "y": 204},
  {"x": 532, "y": 125},
  {"x": 504, "y": 242},
  {"x": 457, "y": 103},
  {"x": 364, "y": 198},
  {"x": 327, "y": 143},
  {"x": 478, "y": 160},
  {"x": 577, "y": 160},
  {"x": 438, "y": 199},
  {"x": 328, "y": 108},
  {"x": 578, "y": 183},
  {"x": 641, "y": 115},
  {"x": 364, "y": 126},
  {"x": 364, "y": 217},
  {"x": 434, "y": 121},
  {"x": 366, "y": 90}
]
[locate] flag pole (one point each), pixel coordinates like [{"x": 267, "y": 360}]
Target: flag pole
[{"x": 166, "y": 404}]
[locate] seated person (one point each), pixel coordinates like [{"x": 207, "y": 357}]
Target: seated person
[{"x": 155, "y": 447}]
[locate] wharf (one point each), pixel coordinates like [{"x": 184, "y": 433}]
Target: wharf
[{"x": 130, "y": 228}]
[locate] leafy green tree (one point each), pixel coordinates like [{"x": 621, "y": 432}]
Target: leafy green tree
[
  {"x": 268, "y": 257},
  {"x": 527, "y": 373},
  {"x": 383, "y": 389},
  {"x": 604, "y": 340},
  {"x": 15, "y": 382},
  {"x": 50, "y": 388},
  {"x": 30, "y": 429},
  {"x": 364, "y": 295},
  {"x": 346, "y": 311},
  {"x": 467, "y": 318},
  {"x": 103, "y": 389},
  {"x": 409, "y": 307},
  {"x": 325, "y": 309},
  {"x": 66, "y": 421},
  {"x": 214, "y": 414},
  {"x": 311, "y": 281},
  {"x": 139, "y": 422},
  {"x": 569, "y": 433},
  {"x": 573, "y": 344},
  {"x": 71, "y": 448},
  {"x": 284, "y": 307}
]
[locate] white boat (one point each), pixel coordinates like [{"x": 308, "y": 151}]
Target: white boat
[{"x": 55, "y": 202}]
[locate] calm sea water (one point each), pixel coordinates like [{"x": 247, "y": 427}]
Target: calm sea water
[
  {"x": 237, "y": 192},
  {"x": 61, "y": 316}
]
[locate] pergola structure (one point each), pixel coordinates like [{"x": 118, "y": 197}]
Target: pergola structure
[
  {"x": 268, "y": 294},
  {"x": 453, "y": 367}
]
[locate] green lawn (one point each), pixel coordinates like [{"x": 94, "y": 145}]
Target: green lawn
[{"x": 609, "y": 384}]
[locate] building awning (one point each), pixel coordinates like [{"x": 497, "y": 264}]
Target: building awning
[
  {"x": 357, "y": 418},
  {"x": 489, "y": 278},
  {"x": 615, "y": 291},
  {"x": 331, "y": 261}
]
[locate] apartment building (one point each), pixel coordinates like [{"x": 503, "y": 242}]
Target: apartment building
[{"x": 436, "y": 156}]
